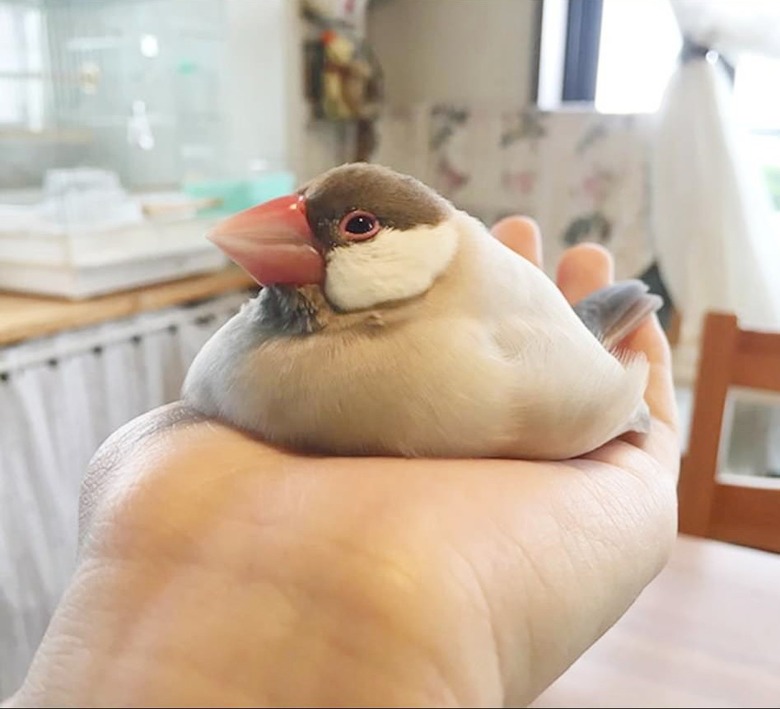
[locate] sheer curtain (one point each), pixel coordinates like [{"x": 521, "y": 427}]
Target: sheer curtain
[
  {"x": 60, "y": 397},
  {"x": 717, "y": 245}
]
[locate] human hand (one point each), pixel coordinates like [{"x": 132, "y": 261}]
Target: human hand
[{"x": 215, "y": 570}]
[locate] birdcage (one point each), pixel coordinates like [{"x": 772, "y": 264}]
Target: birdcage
[{"x": 113, "y": 143}]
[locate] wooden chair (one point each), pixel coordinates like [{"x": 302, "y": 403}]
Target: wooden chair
[{"x": 740, "y": 509}]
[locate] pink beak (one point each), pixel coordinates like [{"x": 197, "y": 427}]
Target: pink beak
[{"x": 273, "y": 243}]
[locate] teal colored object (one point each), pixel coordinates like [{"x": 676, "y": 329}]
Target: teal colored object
[
  {"x": 237, "y": 195},
  {"x": 187, "y": 67}
]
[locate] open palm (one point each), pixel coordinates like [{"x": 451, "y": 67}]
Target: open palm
[{"x": 216, "y": 570}]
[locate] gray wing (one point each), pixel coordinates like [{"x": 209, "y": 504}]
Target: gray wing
[{"x": 613, "y": 312}]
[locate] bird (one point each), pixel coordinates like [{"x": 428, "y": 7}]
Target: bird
[{"x": 391, "y": 323}]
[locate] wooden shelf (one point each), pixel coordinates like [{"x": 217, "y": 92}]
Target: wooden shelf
[
  {"x": 23, "y": 317},
  {"x": 47, "y": 135}
]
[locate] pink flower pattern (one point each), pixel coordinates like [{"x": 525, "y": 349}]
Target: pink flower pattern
[{"x": 581, "y": 175}]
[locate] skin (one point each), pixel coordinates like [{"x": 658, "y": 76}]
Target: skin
[{"x": 215, "y": 570}]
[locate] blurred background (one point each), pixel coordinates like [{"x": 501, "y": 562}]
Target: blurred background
[{"x": 128, "y": 127}]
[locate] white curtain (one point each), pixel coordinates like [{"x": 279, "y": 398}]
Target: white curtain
[
  {"x": 731, "y": 26},
  {"x": 717, "y": 243},
  {"x": 60, "y": 397}
]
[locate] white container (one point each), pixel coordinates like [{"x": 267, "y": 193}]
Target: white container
[
  {"x": 75, "y": 282},
  {"x": 80, "y": 264}
]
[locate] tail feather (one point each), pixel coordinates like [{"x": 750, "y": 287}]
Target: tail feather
[{"x": 615, "y": 311}]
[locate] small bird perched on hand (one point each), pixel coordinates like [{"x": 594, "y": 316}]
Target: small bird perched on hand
[{"x": 391, "y": 323}]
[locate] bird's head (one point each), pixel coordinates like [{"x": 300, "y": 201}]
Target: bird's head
[{"x": 365, "y": 234}]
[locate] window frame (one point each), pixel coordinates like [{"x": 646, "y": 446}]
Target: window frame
[
  {"x": 581, "y": 58},
  {"x": 22, "y": 120},
  {"x": 569, "y": 34}
]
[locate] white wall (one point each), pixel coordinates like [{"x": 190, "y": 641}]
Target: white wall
[
  {"x": 255, "y": 87},
  {"x": 268, "y": 115},
  {"x": 431, "y": 50},
  {"x": 461, "y": 50}
]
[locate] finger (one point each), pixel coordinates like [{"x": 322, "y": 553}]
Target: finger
[
  {"x": 587, "y": 267},
  {"x": 583, "y": 269},
  {"x": 663, "y": 441},
  {"x": 521, "y": 234},
  {"x": 650, "y": 339}
]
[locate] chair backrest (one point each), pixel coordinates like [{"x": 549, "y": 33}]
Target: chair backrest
[{"x": 736, "y": 508}]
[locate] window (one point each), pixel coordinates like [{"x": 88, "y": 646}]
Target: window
[
  {"x": 640, "y": 42},
  {"x": 759, "y": 109},
  {"x": 21, "y": 65},
  {"x": 636, "y": 50}
]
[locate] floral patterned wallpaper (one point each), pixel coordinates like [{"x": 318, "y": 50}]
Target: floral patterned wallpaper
[{"x": 581, "y": 175}]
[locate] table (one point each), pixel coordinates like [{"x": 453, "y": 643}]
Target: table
[{"x": 705, "y": 633}]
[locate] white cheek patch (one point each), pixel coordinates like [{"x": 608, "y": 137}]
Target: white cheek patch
[{"x": 394, "y": 265}]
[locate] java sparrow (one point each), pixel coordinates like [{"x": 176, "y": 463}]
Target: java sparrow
[{"x": 391, "y": 323}]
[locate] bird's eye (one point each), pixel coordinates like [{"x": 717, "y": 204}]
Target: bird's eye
[{"x": 358, "y": 225}]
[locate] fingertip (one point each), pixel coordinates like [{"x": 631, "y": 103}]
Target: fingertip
[
  {"x": 651, "y": 339},
  {"x": 583, "y": 269},
  {"x": 522, "y": 235}
]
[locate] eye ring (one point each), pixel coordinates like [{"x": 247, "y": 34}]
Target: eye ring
[{"x": 359, "y": 225}]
